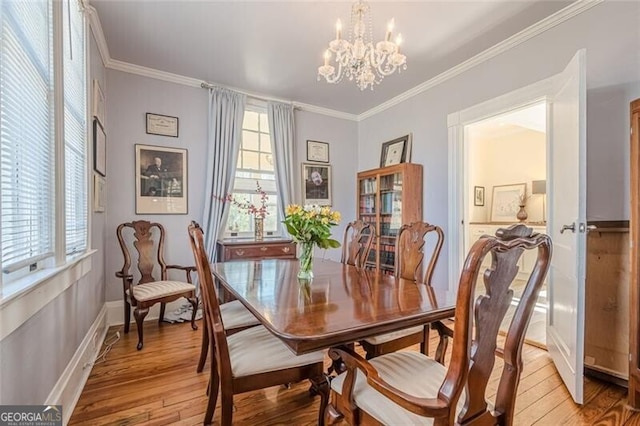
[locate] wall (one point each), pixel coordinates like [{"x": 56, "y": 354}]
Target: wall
[
  {"x": 516, "y": 157},
  {"x": 609, "y": 31},
  {"x": 343, "y": 151},
  {"x": 131, "y": 96},
  {"x": 34, "y": 356}
]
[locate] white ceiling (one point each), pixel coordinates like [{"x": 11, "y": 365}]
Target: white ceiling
[
  {"x": 531, "y": 118},
  {"x": 274, "y": 48}
]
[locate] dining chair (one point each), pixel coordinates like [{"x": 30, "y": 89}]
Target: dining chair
[
  {"x": 137, "y": 238},
  {"x": 357, "y": 241},
  {"x": 250, "y": 359},
  {"x": 411, "y": 388},
  {"x": 410, "y": 253}
]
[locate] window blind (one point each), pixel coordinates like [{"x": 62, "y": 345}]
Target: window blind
[
  {"x": 26, "y": 133},
  {"x": 75, "y": 129}
]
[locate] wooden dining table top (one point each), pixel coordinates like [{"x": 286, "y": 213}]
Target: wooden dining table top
[{"x": 342, "y": 303}]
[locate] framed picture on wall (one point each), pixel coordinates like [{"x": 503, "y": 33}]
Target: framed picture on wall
[
  {"x": 163, "y": 125},
  {"x": 161, "y": 180},
  {"x": 98, "y": 103},
  {"x": 99, "y": 193},
  {"x": 318, "y": 151},
  {"x": 505, "y": 202},
  {"x": 316, "y": 184},
  {"x": 99, "y": 148},
  {"x": 478, "y": 195}
]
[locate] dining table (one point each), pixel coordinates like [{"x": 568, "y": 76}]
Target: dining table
[{"x": 340, "y": 305}]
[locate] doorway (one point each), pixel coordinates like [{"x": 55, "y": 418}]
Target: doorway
[{"x": 505, "y": 162}]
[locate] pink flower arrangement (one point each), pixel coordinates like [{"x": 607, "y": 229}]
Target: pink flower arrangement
[{"x": 251, "y": 208}]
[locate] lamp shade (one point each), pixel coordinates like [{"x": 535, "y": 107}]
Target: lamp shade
[{"x": 539, "y": 187}]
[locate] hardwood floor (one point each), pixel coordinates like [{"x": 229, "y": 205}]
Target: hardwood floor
[{"x": 159, "y": 386}]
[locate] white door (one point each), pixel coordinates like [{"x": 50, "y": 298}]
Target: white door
[{"x": 566, "y": 192}]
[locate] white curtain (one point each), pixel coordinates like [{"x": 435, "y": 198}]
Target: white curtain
[
  {"x": 281, "y": 126},
  {"x": 226, "y": 112}
]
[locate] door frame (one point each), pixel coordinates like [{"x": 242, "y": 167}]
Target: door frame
[{"x": 458, "y": 191}]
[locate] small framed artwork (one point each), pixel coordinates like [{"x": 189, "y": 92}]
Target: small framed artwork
[
  {"x": 478, "y": 195},
  {"x": 99, "y": 148},
  {"x": 161, "y": 180},
  {"x": 318, "y": 151},
  {"x": 505, "y": 202},
  {"x": 316, "y": 184},
  {"x": 396, "y": 151},
  {"x": 163, "y": 125},
  {"x": 99, "y": 194},
  {"x": 98, "y": 103}
]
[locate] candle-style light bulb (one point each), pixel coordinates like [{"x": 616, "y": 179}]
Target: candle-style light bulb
[
  {"x": 327, "y": 56},
  {"x": 399, "y": 41},
  {"x": 338, "y": 29},
  {"x": 390, "y": 26}
]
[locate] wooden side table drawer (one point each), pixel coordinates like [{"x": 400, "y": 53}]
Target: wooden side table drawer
[{"x": 256, "y": 250}]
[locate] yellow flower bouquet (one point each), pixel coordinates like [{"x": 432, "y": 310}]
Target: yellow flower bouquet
[{"x": 309, "y": 226}]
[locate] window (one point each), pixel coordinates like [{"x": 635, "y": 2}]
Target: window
[
  {"x": 75, "y": 131},
  {"x": 255, "y": 165},
  {"x": 29, "y": 140}
]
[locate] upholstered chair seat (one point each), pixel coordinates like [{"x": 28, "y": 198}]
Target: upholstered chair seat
[
  {"x": 410, "y": 372},
  {"x": 395, "y": 335},
  {"x": 158, "y": 289},
  {"x": 256, "y": 350},
  {"x": 235, "y": 316}
]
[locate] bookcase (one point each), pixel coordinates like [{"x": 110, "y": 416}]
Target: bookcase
[{"x": 388, "y": 198}]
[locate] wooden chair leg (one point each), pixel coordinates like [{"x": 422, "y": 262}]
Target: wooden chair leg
[
  {"x": 214, "y": 386},
  {"x": 139, "y": 315},
  {"x": 424, "y": 345},
  {"x": 194, "y": 303},
  {"x": 162, "y": 308},
  {"x": 127, "y": 316},
  {"x": 227, "y": 410},
  {"x": 204, "y": 350},
  {"x": 332, "y": 416},
  {"x": 320, "y": 386}
]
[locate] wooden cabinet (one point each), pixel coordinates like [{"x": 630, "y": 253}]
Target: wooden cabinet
[
  {"x": 388, "y": 198},
  {"x": 606, "y": 327},
  {"x": 241, "y": 249}
]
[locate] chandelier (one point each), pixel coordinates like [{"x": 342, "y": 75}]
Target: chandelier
[{"x": 357, "y": 58}]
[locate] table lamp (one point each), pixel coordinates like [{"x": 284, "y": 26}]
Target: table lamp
[{"x": 540, "y": 187}]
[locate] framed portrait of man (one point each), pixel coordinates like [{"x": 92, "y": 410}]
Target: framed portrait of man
[
  {"x": 316, "y": 184},
  {"x": 161, "y": 180}
]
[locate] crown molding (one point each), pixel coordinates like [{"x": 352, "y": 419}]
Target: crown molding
[
  {"x": 98, "y": 34},
  {"x": 557, "y": 18},
  {"x": 325, "y": 111},
  {"x": 130, "y": 68},
  {"x": 538, "y": 28}
]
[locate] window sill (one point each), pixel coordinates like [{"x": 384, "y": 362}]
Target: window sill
[{"x": 21, "y": 299}]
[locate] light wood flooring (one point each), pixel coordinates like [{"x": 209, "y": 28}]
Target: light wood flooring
[{"x": 159, "y": 386}]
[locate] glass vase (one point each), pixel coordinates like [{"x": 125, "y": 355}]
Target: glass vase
[
  {"x": 522, "y": 214},
  {"x": 306, "y": 262},
  {"x": 258, "y": 229}
]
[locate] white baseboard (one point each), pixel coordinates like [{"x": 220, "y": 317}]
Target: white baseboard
[
  {"x": 67, "y": 390},
  {"x": 115, "y": 311}
]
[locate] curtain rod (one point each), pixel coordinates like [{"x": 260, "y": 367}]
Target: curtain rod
[{"x": 206, "y": 85}]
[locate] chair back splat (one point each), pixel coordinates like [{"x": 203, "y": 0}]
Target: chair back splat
[
  {"x": 355, "y": 250},
  {"x": 412, "y": 241}
]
